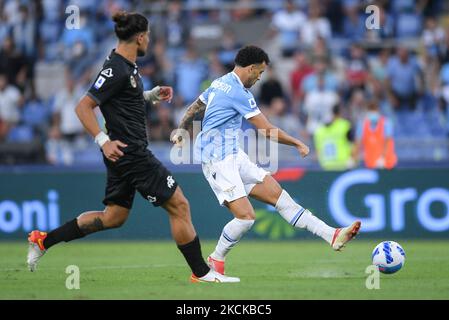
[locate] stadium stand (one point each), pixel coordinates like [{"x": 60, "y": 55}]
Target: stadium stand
[{"x": 314, "y": 46}]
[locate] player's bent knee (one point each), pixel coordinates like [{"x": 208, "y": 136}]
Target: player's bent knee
[
  {"x": 181, "y": 203},
  {"x": 114, "y": 216},
  {"x": 247, "y": 224},
  {"x": 274, "y": 189},
  {"x": 250, "y": 216},
  {"x": 183, "y": 208},
  {"x": 116, "y": 223},
  {"x": 178, "y": 205}
]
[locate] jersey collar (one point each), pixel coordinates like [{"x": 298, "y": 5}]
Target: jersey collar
[
  {"x": 113, "y": 53},
  {"x": 238, "y": 78}
]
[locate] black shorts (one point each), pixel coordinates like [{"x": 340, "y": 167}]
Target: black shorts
[{"x": 141, "y": 171}]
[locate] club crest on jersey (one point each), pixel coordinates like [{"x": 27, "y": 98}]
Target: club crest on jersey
[
  {"x": 133, "y": 82},
  {"x": 170, "y": 182},
  {"x": 107, "y": 72},
  {"x": 135, "y": 72}
]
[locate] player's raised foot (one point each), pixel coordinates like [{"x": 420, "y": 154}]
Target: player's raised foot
[
  {"x": 36, "y": 248},
  {"x": 216, "y": 265},
  {"x": 344, "y": 235},
  {"x": 213, "y": 276}
]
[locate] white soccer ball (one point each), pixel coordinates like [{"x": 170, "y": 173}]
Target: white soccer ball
[{"x": 388, "y": 256}]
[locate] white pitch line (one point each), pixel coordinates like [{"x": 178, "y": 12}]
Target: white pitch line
[{"x": 101, "y": 267}]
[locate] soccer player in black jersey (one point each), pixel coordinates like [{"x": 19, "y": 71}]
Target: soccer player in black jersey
[{"x": 118, "y": 91}]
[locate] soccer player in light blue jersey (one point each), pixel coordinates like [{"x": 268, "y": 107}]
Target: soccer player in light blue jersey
[{"x": 229, "y": 171}]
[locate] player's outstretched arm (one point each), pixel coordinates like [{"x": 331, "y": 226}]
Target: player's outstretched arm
[
  {"x": 274, "y": 133},
  {"x": 85, "y": 112},
  {"x": 193, "y": 110}
]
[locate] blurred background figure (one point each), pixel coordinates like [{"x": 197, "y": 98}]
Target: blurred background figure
[
  {"x": 333, "y": 143},
  {"x": 190, "y": 72},
  {"x": 321, "y": 96},
  {"x": 13, "y": 63},
  {"x": 405, "y": 80},
  {"x": 271, "y": 88},
  {"x": 10, "y": 100},
  {"x": 175, "y": 29},
  {"x": 316, "y": 26},
  {"x": 67, "y": 134},
  {"x": 302, "y": 69},
  {"x": 356, "y": 69},
  {"x": 287, "y": 23},
  {"x": 375, "y": 140},
  {"x": 228, "y": 49}
]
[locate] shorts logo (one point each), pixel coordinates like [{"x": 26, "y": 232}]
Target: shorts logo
[
  {"x": 214, "y": 175},
  {"x": 151, "y": 199},
  {"x": 230, "y": 191},
  {"x": 170, "y": 182},
  {"x": 107, "y": 73},
  {"x": 132, "y": 81},
  {"x": 99, "y": 82}
]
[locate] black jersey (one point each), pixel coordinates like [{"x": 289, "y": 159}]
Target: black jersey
[{"x": 118, "y": 90}]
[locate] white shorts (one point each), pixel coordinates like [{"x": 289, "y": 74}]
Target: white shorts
[{"x": 233, "y": 177}]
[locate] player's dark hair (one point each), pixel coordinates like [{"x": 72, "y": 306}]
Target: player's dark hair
[
  {"x": 129, "y": 24},
  {"x": 251, "y": 55}
]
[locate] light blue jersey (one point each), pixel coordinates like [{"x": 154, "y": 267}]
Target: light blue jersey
[{"x": 227, "y": 102}]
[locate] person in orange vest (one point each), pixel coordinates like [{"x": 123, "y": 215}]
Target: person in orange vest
[{"x": 375, "y": 137}]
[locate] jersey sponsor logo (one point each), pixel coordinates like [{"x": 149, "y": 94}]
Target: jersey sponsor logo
[
  {"x": 151, "y": 199},
  {"x": 132, "y": 81},
  {"x": 170, "y": 182},
  {"x": 107, "y": 73},
  {"x": 99, "y": 82}
]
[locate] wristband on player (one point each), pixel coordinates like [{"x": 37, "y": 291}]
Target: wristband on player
[
  {"x": 152, "y": 95},
  {"x": 101, "y": 138}
]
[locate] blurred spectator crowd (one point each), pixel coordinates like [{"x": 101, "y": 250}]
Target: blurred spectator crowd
[{"x": 323, "y": 55}]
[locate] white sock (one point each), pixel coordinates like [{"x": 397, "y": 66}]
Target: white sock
[
  {"x": 302, "y": 218},
  {"x": 232, "y": 233}
]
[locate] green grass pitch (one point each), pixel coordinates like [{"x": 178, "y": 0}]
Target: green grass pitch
[{"x": 268, "y": 270}]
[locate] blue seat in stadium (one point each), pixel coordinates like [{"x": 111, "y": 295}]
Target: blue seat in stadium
[
  {"x": 408, "y": 25},
  {"x": 35, "y": 113},
  {"x": 88, "y": 156},
  {"x": 22, "y": 133},
  {"x": 414, "y": 124}
]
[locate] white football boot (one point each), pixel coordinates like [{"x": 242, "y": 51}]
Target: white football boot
[
  {"x": 344, "y": 235},
  {"x": 213, "y": 276},
  {"x": 35, "y": 249}
]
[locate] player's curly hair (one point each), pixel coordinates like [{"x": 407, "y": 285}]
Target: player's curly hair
[
  {"x": 129, "y": 24},
  {"x": 251, "y": 55}
]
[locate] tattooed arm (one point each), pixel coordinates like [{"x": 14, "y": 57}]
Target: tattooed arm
[{"x": 196, "y": 108}]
